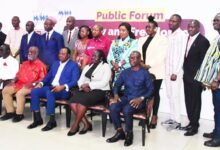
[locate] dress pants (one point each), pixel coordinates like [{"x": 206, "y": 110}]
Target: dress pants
[
  {"x": 216, "y": 103},
  {"x": 157, "y": 85},
  {"x": 45, "y": 92},
  {"x": 128, "y": 111},
  {"x": 173, "y": 95},
  {"x": 7, "y": 94},
  {"x": 193, "y": 92}
]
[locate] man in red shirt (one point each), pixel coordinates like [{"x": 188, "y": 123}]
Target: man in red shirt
[
  {"x": 99, "y": 41},
  {"x": 31, "y": 72}
]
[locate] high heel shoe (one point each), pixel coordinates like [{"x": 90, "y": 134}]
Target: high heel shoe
[
  {"x": 73, "y": 133},
  {"x": 84, "y": 131}
]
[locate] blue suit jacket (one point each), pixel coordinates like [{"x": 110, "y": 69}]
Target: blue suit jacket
[
  {"x": 50, "y": 49},
  {"x": 34, "y": 41},
  {"x": 69, "y": 75}
]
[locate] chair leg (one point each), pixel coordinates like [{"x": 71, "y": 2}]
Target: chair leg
[
  {"x": 143, "y": 131},
  {"x": 68, "y": 116},
  {"x": 104, "y": 123},
  {"x": 148, "y": 125},
  {"x": 60, "y": 107}
]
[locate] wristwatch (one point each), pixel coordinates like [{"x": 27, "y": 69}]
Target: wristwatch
[{"x": 142, "y": 97}]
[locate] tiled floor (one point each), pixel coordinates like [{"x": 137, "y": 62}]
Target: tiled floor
[{"x": 15, "y": 136}]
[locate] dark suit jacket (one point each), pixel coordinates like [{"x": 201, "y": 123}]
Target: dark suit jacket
[
  {"x": 50, "y": 49},
  {"x": 69, "y": 75},
  {"x": 2, "y": 38},
  {"x": 194, "y": 58},
  {"x": 34, "y": 41}
]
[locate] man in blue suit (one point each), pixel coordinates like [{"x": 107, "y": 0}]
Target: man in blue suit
[
  {"x": 28, "y": 40},
  {"x": 51, "y": 42},
  {"x": 63, "y": 75}
]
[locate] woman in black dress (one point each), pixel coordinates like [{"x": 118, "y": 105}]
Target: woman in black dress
[{"x": 93, "y": 83}]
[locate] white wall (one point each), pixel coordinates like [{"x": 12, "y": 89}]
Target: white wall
[{"x": 86, "y": 9}]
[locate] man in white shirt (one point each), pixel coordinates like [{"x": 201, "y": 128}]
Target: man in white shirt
[
  {"x": 14, "y": 36},
  {"x": 173, "y": 70},
  {"x": 9, "y": 67}
]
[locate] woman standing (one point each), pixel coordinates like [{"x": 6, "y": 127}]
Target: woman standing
[
  {"x": 121, "y": 49},
  {"x": 153, "y": 49},
  {"x": 84, "y": 35}
]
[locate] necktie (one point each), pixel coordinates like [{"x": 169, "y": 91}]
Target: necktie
[
  {"x": 187, "y": 46},
  {"x": 47, "y": 38},
  {"x": 69, "y": 37}
]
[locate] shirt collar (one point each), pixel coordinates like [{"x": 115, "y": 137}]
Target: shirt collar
[{"x": 194, "y": 36}]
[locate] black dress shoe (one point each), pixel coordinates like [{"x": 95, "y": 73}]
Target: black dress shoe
[
  {"x": 191, "y": 132},
  {"x": 128, "y": 139},
  {"x": 152, "y": 126},
  {"x": 208, "y": 135},
  {"x": 35, "y": 124},
  {"x": 84, "y": 131},
  {"x": 7, "y": 116},
  {"x": 186, "y": 128},
  {"x": 18, "y": 118},
  {"x": 120, "y": 135},
  {"x": 213, "y": 143},
  {"x": 73, "y": 133},
  {"x": 50, "y": 125}
]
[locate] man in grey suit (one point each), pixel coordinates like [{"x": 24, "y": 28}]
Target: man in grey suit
[{"x": 70, "y": 35}]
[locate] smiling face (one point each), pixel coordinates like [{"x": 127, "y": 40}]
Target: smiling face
[
  {"x": 123, "y": 32},
  {"x": 150, "y": 29},
  {"x": 216, "y": 22}
]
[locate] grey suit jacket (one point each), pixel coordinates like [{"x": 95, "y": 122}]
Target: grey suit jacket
[{"x": 73, "y": 38}]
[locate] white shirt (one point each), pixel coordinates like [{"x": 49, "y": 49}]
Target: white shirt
[
  {"x": 14, "y": 39},
  {"x": 9, "y": 68},
  {"x": 29, "y": 36},
  {"x": 58, "y": 74},
  {"x": 50, "y": 33},
  {"x": 175, "y": 53},
  {"x": 190, "y": 41}
]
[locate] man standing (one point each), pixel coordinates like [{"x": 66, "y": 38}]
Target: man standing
[
  {"x": 173, "y": 70},
  {"x": 2, "y": 35},
  {"x": 30, "y": 72},
  {"x": 209, "y": 75},
  {"x": 138, "y": 89},
  {"x": 99, "y": 41},
  {"x": 62, "y": 76},
  {"x": 196, "y": 48},
  {"x": 14, "y": 36},
  {"x": 28, "y": 40},
  {"x": 70, "y": 34},
  {"x": 50, "y": 42}
]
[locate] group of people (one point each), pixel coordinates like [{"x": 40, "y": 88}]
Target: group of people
[{"x": 51, "y": 65}]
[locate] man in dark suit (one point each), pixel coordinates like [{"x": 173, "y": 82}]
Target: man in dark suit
[
  {"x": 2, "y": 35},
  {"x": 28, "y": 40},
  {"x": 196, "y": 48},
  {"x": 51, "y": 42},
  {"x": 63, "y": 75}
]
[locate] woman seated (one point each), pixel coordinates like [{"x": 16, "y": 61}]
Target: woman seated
[
  {"x": 93, "y": 83},
  {"x": 84, "y": 35}
]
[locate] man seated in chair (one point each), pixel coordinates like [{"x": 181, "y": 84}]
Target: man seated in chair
[
  {"x": 62, "y": 76},
  {"x": 9, "y": 67},
  {"x": 138, "y": 88},
  {"x": 30, "y": 72}
]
